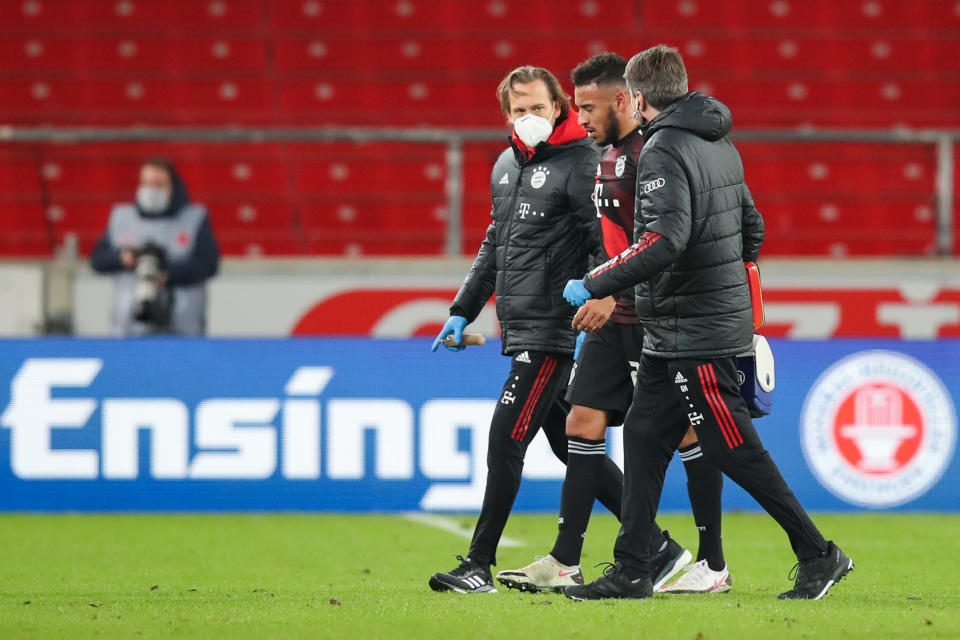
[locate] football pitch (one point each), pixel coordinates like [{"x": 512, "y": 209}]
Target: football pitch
[{"x": 335, "y": 576}]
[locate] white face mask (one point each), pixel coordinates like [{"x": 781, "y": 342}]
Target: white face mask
[
  {"x": 153, "y": 200},
  {"x": 532, "y": 130}
]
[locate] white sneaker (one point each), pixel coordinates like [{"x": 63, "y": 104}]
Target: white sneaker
[
  {"x": 543, "y": 573},
  {"x": 699, "y": 578}
]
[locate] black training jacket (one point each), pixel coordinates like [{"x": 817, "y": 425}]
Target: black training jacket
[
  {"x": 544, "y": 227},
  {"x": 695, "y": 227}
]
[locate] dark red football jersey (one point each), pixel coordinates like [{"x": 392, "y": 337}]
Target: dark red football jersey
[{"x": 614, "y": 197}]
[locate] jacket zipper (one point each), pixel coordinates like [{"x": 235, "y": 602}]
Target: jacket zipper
[
  {"x": 547, "y": 281},
  {"x": 512, "y": 213},
  {"x": 653, "y": 304}
]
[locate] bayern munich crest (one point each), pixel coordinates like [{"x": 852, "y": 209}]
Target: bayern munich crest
[
  {"x": 878, "y": 429},
  {"x": 539, "y": 177},
  {"x": 620, "y": 166}
]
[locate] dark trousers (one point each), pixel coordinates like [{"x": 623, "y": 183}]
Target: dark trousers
[
  {"x": 531, "y": 399},
  {"x": 669, "y": 395}
]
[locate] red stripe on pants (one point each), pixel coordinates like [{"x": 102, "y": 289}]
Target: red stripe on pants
[
  {"x": 734, "y": 430},
  {"x": 708, "y": 393},
  {"x": 523, "y": 422},
  {"x": 527, "y": 405}
]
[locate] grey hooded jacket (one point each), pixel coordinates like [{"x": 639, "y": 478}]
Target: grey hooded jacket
[{"x": 184, "y": 232}]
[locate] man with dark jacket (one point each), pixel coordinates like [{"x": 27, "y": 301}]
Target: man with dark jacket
[
  {"x": 161, "y": 251},
  {"x": 601, "y": 387},
  {"x": 696, "y": 225},
  {"x": 543, "y": 229}
]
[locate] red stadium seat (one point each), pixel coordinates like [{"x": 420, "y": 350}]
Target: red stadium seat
[
  {"x": 386, "y": 170},
  {"x": 794, "y": 14},
  {"x": 84, "y": 218},
  {"x": 86, "y": 15},
  {"x": 357, "y": 218},
  {"x": 250, "y": 227},
  {"x": 361, "y": 226},
  {"x": 501, "y": 16},
  {"x": 172, "y": 55},
  {"x": 20, "y": 177},
  {"x": 138, "y": 100},
  {"x": 26, "y": 231}
]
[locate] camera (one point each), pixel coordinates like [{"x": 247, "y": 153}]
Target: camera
[{"x": 151, "y": 301}]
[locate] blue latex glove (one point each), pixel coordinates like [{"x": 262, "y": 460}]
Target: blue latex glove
[
  {"x": 580, "y": 338},
  {"x": 575, "y": 293},
  {"x": 454, "y": 326}
]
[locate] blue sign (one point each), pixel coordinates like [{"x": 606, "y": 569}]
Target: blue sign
[{"x": 385, "y": 425}]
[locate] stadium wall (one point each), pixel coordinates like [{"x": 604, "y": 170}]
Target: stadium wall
[
  {"x": 808, "y": 299},
  {"x": 360, "y": 424}
]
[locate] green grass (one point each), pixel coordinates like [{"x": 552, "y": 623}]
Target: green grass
[{"x": 318, "y": 576}]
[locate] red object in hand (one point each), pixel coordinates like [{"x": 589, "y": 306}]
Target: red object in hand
[{"x": 756, "y": 295}]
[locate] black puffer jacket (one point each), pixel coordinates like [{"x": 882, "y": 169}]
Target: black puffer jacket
[
  {"x": 544, "y": 227},
  {"x": 695, "y": 227}
]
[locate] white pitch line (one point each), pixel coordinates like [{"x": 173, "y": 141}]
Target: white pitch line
[{"x": 450, "y": 525}]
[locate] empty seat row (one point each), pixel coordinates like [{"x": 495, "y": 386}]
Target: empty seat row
[
  {"x": 802, "y": 14},
  {"x": 174, "y": 55},
  {"x": 444, "y": 103},
  {"x": 803, "y": 56},
  {"x": 271, "y": 227},
  {"x": 446, "y": 15},
  {"x": 312, "y": 15}
]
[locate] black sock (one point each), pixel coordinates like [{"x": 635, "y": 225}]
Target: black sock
[
  {"x": 580, "y": 486},
  {"x": 610, "y": 493},
  {"x": 705, "y": 484}
]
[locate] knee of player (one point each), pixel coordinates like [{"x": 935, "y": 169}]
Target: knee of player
[
  {"x": 583, "y": 422},
  {"x": 689, "y": 438}
]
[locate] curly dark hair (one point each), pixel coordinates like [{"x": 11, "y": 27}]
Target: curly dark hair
[{"x": 604, "y": 68}]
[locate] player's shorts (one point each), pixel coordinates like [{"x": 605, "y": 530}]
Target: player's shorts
[{"x": 604, "y": 375}]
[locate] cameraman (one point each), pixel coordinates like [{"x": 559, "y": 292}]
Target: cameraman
[{"x": 162, "y": 251}]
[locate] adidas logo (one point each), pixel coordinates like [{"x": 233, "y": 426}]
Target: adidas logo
[
  {"x": 525, "y": 357},
  {"x": 505, "y": 179},
  {"x": 679, "y": 379}
]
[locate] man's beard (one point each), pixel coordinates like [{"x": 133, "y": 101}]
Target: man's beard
[{"x": 612, "y": 129}]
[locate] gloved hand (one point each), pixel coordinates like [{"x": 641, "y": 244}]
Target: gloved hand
[
  {"x": 580, "y": 338},
  {"x": 575, "y": 293},
  {"x": 454, "y": 326}
]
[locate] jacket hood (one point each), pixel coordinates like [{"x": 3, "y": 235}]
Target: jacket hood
[
  {"x": 567, "y": 129},
  {"x": 179, "y": 197},
  {"x": 703, "y": 115}
]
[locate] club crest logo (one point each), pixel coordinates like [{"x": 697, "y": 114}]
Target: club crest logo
[
  {"x": 620, "y": 166},
  {"x": 539, "y": 177},
  {"x": 878, "y": 429}
]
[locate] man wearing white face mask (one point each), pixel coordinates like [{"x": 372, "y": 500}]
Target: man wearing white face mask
[
  {"x": 544, "y": 225},
  {"x": 161, "y": 251}
]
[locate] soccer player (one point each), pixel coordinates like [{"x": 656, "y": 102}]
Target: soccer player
[
  {"x": 544, "y": 226},
  {"x": 696, "y": 225},
  {"x": 602, "y": 386}
]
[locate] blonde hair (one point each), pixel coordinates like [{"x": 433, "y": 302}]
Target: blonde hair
[{"x": 527, "y": 74}]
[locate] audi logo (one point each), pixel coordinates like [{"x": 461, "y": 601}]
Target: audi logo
[{"x": 653, "y": 184}]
